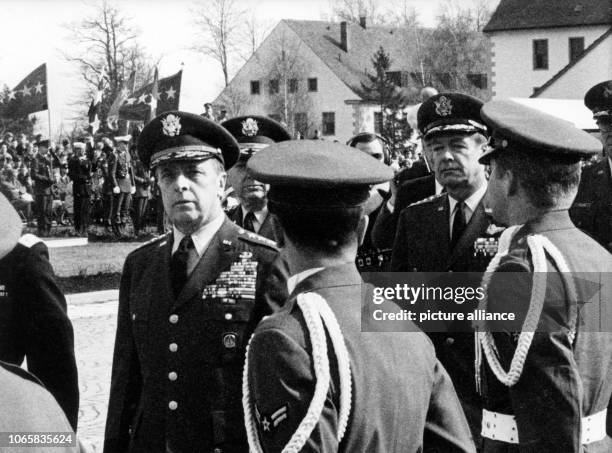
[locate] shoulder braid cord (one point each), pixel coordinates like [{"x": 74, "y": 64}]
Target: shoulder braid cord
[
  {"x": 538, "y": 246},
  {"x": 316, "y": 313}
]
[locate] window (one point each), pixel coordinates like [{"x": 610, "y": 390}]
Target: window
[
  {"x": 313, "y": 84},
  {"x": 478, "y": 80},
  {"x": 378, "y": 122},
  {"x": 254, "y": 86},
  {"x": 329, "y": 123},
  {"x": 274, "y": 86},
  {"x": 576, "y": 47},
  {"x": 540, "y": 54},
  {"x": 293, "y": 85},
  {"x": 300, "y": 120}
]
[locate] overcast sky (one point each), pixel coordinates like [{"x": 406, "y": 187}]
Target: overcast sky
[{"x": 33, "y": 32}]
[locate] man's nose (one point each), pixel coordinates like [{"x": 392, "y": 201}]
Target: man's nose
[{"x": 181, "y": 182}]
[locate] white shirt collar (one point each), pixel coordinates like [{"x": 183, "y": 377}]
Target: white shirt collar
[
  {"x": 260, "y": 216},
  {"x": 439, "y": 187},
  {"x": 471, "y": 203},
  {"x": 201, "y": 238},
  {"x": 294, "y": 280}
]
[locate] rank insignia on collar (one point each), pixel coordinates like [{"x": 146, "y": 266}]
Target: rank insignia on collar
[
  {"x": 250, "y": 128},
  {"x": 269, "y": 422},
  {"x": 171, "y": 125},
  {"x": 444, "y": 107}
]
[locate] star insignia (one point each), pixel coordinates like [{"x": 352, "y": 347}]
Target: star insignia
[
  {"x": 38, "y": 87},
  {"x": 130, "y": 101},
  {"x": 142, "y": 99},
  {"x": 265, "y": 424},
  {"x": 11, "y": 95},
  {"x": 125, "y": 92},
  {"x": 26, "y": 91},
  {"x": 170, "y": 92}
]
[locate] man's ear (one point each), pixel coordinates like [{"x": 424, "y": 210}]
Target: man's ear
[
  {"x": 221, "y": 181},
  {"x": 512, "y": 183},
  {"x": 362, "y": 228}
]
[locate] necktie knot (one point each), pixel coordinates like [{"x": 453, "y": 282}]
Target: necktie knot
[
  {"x": 249, "y": 220},
  {"x": 186, "y": 244}
]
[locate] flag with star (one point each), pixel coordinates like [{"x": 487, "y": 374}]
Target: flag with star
[
  {"x": 29, "y": 96},
  {"x": 112, "y": 117},
  {"x": 137, "y": 107}
]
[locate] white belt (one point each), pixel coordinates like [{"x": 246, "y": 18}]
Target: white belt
[{"x": 503, "y": 427}]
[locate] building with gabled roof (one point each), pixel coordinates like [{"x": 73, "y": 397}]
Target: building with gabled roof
[
  {"x": 549, "y": 48},
  {"x": 315, "y": 71}
]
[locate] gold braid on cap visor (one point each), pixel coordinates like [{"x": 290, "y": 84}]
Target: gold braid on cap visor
[{"x": 191, "y": 152}]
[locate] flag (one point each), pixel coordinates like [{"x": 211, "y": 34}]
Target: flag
[
  {"x": 154, "y": 98},
  {"x": 138, "y": 105},
  {"x": 113, "y": 113},
  {"x": 94, "y": 109},
  {"x": 29, "y": 96}
]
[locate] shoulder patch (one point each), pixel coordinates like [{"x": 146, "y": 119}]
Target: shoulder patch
[
  {"x": 29, "y": 240},
  {"x": 153, "y": 241},
  {"x": 427, "y": 200},
  {"x": 257, "y": 239}
]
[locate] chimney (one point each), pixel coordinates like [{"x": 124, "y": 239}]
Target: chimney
[
  {"x": 363, "y": 21},
  {"x": 344, "y": 37}
]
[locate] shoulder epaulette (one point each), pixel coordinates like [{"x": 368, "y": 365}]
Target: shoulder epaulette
[
  {"x": 29, "y": 240},
  {"x": 427, "y": 200},
  {"x": 152, "y": 241},
  {"x": 257, "y": 239}
]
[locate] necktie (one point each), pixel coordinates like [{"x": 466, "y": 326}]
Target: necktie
[
  {"x": 458, "y": 224},
  {"x": 180, "y": 264},
  {"x": 249, "y": 218}
]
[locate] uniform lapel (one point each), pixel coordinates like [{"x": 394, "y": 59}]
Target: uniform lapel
[
  {"x": 477, "y": 224},
  {"x": 441, "y": 233},
  {"x": 217, "y": 258}
]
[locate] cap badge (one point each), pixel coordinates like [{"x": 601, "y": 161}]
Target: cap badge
[
  {"x": 171, "y": 125},
  {"x": 444, "y": 107},
  {"x": 250, "y": 127},
  {"x": 607, "y": 91}
]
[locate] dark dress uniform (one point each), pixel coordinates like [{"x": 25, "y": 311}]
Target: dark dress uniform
[
  {"x": 269, "y": 227},
  {"x": 42, "y": 175},
  {"x": 34, "y": 324},
  {"x": 558, "y": 382},
  {"x": 79, "y": 170},
  {"x": 178, "y": 359}
]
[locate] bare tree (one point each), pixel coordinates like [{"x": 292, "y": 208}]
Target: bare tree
[
  {"x": 218, "y": 23},
  {"x": 234, "y": 100},
  {"x": 352, "y": 10},
  {"x": 253, "y": 33}
]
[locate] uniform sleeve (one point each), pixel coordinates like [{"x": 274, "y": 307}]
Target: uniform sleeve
[
  {"x": 126, "y": 380},
  {"x": 446, "y": 428},
  {"x": 112, "y": 169},
  {"x": 401, "y": 248},
  {"x": 282, "y": 384},
  {"x": 548, "y": 396},
  {"x": 383, "y": 231},
  {"x": 50, "y": 337}
]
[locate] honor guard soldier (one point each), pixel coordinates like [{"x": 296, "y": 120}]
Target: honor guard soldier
[
  {"x": 188, "y": 302},
  {"x": 441, "y": 233},
  {"x": 42, "y": 175},
  {"x": 253, "y": 134},
  {"x": 314, "y": 382},
  {"x": 546, "y": 377},
  {"x": 34, "y": 324},
  {"x": 592, "y": 210}
]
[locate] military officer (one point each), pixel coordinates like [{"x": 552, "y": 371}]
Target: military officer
[
  {"x": 314, "y": 381},
  {"x": 79, "y": 170},
  {"x": 42, "y": 175},
  {"x": 34, "y": 324},
  {"x": 253, "y": 133},
  {"x": 122, "y": 176},
  {"x": 592, "y": 210},
  {"x": 548, "y": 390},
  {"x": 187, "y": 302},
  {"x": 438, "y": 234}
]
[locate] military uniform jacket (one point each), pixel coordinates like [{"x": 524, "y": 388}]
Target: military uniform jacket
[
  {"x": 177, "y": 366},
  {"x": 79, "y": 170},
  {"x": 402, "y": 398},
  {"x": 561, "y": 381},
  {"x": 422, "y": 245},
  {"x": 268, "y": 228},
  {"x": 592, "y": 209},
  {"x": 42, "y": 175},
  {"x": 34, "y": 323}
]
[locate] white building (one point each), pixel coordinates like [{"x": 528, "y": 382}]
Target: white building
[
  {"x": 549, "y": 48},
  {"x": 311, "y": 74}
]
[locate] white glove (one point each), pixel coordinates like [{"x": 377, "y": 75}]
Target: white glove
[
  {"x": 116, "y": 190},
  {"x": 132, "y": 190}
]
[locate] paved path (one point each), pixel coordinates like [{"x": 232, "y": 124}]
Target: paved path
[{"x": 94, "y": 334}]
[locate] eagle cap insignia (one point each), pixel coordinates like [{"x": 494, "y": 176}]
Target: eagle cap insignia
[
  {"x": 171, "y": 125},
  {"x": 444, "y": 107},
  {"x": 250, "y": 127}
]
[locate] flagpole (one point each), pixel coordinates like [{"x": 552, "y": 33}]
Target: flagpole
[{"x": 48, "y": 105}]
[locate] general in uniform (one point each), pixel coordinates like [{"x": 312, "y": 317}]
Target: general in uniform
[
  {"x": 443, "y": 232},
  {"x": 314, "y": 381},
  {"x": 253, "y": 134},
  {"x": 592, "y": 209},
  {"x": 34, "y": 324},
  {"x": 187, "y": 303},
  {"x": 546, "y": 378}
]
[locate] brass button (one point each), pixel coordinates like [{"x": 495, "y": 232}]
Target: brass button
[
  {"x": 173, "y": 319},
  {"x": 229, "y": 340},
  {"x": 217, "y": 450},
  {"x": 173, "y": 347},
  {"x": 172, "y": 405},
  {"x": 449, "y": 341},
  {"x": 133, "y": 316},
  {"x": 228, "y": 316},
  {"x": 172, "y": 376}
]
